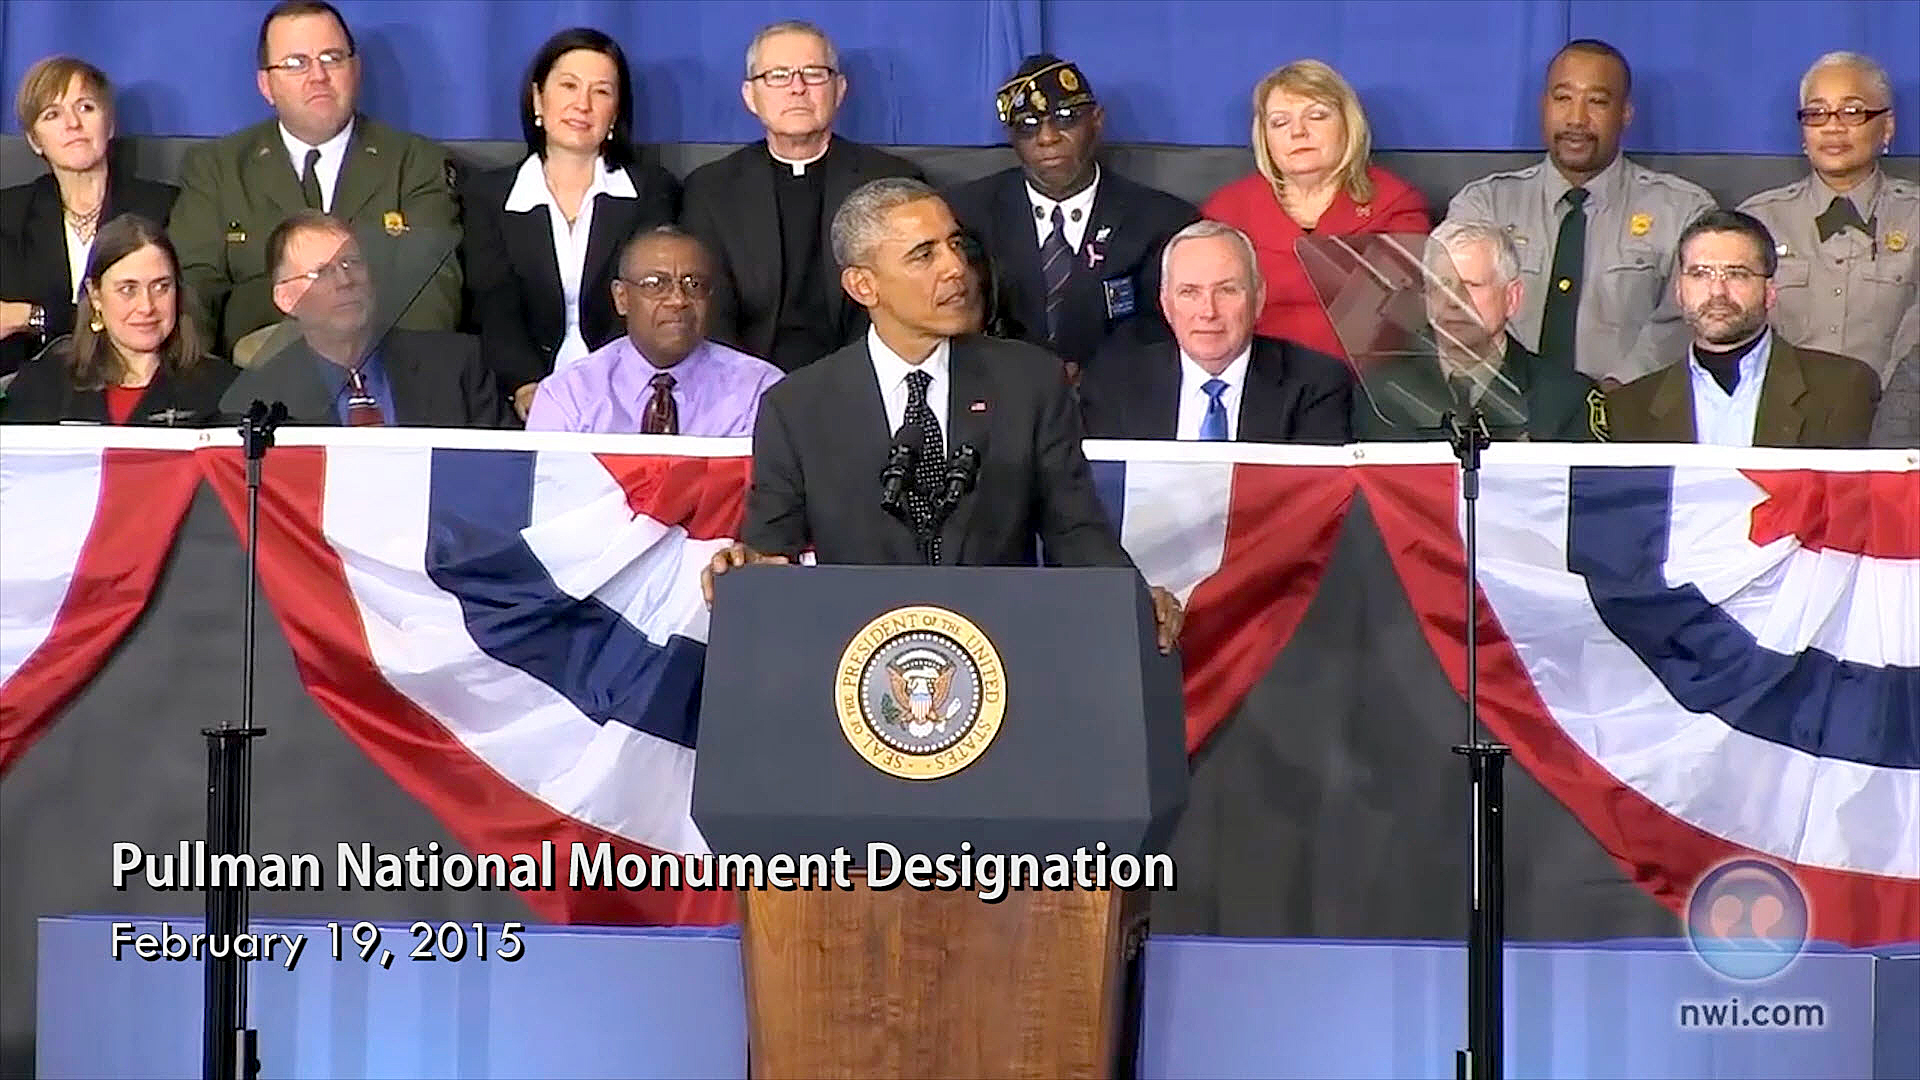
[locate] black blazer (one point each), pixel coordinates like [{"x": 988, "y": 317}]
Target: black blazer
[
  {"x": 1293, "y": 394},
  {"x": 43, "y": 393},
  {"x": 515, "y": 280},
  {"x": 821, "y": 439},
  {"x": 436, "y": 377},
  {"x": 1138, "y": 222},
  {"x": 33, "y": 248},
  {"x": 731, "y": 204}
]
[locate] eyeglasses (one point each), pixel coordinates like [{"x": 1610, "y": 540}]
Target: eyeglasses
[
  {"x": 1850, "y": 115},
  {"x": 347, "y": 266},
  {"x": 1028, "y": 126},
  {"x": 812, "y": 75},
  {"x": 1732, "y": 275},
  {"x": 301, "y": 63},
  {"x": 660, "y": 286}
]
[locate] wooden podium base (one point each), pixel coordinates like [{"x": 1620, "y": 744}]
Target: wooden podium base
[{"x": 904, "y": 983}]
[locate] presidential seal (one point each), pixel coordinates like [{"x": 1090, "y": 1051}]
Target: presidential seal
[{"x": 920, "y": 693}]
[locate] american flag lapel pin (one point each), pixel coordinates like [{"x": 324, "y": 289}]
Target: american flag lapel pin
[{"x": 978, "y": 406}]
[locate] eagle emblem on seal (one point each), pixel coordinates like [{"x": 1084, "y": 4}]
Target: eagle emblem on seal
[{"x": 920, "y": 693}]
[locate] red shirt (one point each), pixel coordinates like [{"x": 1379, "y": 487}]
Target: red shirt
[
  {"x": 122, "y": 400},
  {"x": 1293, "y": 309}
]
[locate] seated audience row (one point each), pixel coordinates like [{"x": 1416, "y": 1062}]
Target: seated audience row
[{"x": 1594, "y": 236}]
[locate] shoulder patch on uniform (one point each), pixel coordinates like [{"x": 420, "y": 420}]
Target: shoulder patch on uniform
[{"x": 1597, "y": 415}]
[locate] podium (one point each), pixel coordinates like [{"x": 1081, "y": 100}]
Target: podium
[{"x": 990, "y": 717}]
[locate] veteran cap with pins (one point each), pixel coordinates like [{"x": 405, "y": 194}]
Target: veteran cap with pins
[{"x": 1045, "y": 83}]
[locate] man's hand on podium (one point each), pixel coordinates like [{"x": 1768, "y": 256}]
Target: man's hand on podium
[
  {"x": 735, "y": 554},
  {"x": 1169, "y": 615}
]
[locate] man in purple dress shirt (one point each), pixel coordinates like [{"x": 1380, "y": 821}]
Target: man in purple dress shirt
[{"x": 664, "y": 377}]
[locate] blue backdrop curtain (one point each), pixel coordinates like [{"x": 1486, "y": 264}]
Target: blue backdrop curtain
[{"x": 1712, "y": 76}]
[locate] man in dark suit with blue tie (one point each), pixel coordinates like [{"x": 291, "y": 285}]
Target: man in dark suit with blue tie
[
  {"x": 1075, "y": 245},
  {"x": 823, "y": 433},
  {"x": 1215, "y": 380}
]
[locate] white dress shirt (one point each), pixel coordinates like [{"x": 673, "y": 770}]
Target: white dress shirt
[
  {"x": 1194, "y": 399},
  {"x": 333, "y": 156},
  {"x": 78, "y": 251},
  {"x": 1723, "y": 419},
  {"x": 569, "y": 241},
  {"x": 892, "y": 371},
  {"x": 1077, "y": 209}
]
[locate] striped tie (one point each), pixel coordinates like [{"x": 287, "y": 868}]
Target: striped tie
[
  {"x": 1056, "y": 268},
  {"x": 362, "y": 409}
]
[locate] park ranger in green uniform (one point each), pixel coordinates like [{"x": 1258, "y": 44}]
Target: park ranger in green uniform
[
  {"x": 316, "y": 154},
  {"x": 1473, "y": 290},
  {"x": 1596, "y": 232},
  {"x": 1848, "y": 235}
]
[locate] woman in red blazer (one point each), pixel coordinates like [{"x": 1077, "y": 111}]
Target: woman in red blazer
[{"x": 1311, "y": 144}]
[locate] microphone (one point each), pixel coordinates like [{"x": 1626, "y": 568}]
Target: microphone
[
  {"x": 899, "y": 467},
  {"x": 962, "y": 470}
]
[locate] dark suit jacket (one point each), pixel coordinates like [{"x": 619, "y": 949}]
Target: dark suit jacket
[
  {"x": 43, "y": 393},
  {"x": 1138, "y": 222},
  {"x": 33, "y": 248},
  {"x": 1808, "y": 398},
  {"x": 436, "y": 377},
  {"x": 731, "y": 204},
  {"x": 515, "y": 280},
  {"x": 821, "y": 439},
  {"x": 1405, "y": 397},
  {"x": 1292, "y": 394}
]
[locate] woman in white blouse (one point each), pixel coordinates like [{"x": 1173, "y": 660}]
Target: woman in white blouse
[
  {"x": 65, "y": 108},
  {"x": 541, "y": 236}
]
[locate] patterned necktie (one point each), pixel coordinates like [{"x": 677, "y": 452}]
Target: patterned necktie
[
  {"x": 929, "y": 465},
  {"x": 1213, "y": 426},
  {"x": 1056, "y": 268},
  {"x": 1841, "y": 215},
  {"x": 310, "y": 182},
  {"x": 1558, "y": 318},
  {"x": 663, "y": 415},
  {"x": 362, "y": 409}
]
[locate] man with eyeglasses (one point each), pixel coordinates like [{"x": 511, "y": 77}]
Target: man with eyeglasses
[
  {"x": 316, "y": 154},
  {"x": 663, "y": 377},
  {"x": 1595, "y": 230},
  {"x": 1848, "y": 235},
  {"x": 1076, "y": 248},
  {"x": 1741, "y": 384},
  {"x": 765, "y": 209},
  {"x": 335, "y": 361}
]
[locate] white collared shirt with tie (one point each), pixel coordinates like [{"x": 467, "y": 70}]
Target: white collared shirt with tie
[
  {"x": 891, "y": 371},
  {"x": 1194, "y": 398},
  {"x": 1723, "y": 419},
  {"x": 333, "y": 157},
  {"x": 1076, "y": 212}
]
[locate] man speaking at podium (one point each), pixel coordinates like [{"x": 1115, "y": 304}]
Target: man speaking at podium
[{"x": 925, "y": 443}]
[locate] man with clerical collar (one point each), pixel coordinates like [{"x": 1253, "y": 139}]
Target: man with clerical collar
[
  {"x": 1215, "y": 381},
  {"x": 336, "y": 361},
  {"x": 1742, "y": 384},
  {"x": 662, "y": 377},
  {"x": 1075, "y": 246},
  {"x": 923, "y": 377},
  {"x": 765, "y": 210},
  {"x": 1848, "y": 235},
  {"x": 1473, "y": 360}
]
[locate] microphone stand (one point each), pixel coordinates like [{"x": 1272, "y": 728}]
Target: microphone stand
[
  {"x": 231, "y": 1049},
  {"x": 1485, "y": 1056}
]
